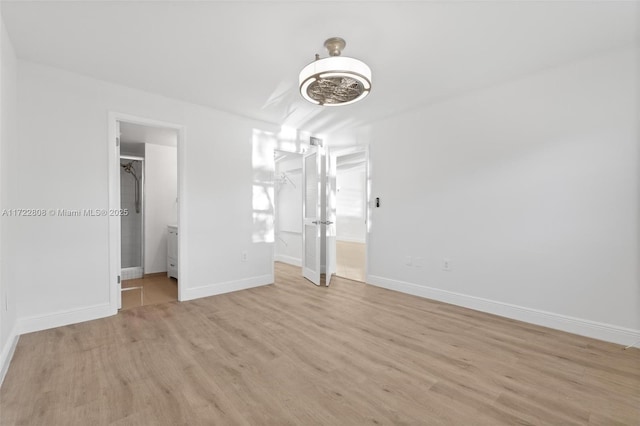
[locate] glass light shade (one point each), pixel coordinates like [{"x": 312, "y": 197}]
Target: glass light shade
[{"x": 336, "y": 80}]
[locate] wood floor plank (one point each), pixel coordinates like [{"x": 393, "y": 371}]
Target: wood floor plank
[{"x": 293, "y": 353}]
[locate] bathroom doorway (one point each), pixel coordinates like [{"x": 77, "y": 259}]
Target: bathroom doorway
[
  {"x": 144, "y": 200},
  {"x": 149, "y": 203}
]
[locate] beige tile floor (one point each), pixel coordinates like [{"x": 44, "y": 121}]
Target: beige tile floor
[
  {"x": 157, "y": 288},
  {"x": 350, "y": 260}
]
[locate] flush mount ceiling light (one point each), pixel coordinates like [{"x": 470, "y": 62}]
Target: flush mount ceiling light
[{"x": 336, "y": 80}]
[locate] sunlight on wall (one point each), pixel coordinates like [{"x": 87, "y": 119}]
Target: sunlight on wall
[
  {"x": 351, "y": 211},
  {"x": 350, "y": 202},
  {"x": 369, "y": 201},
  {"x": 288, "y": 135},
  {"x": 263, "y": 167},
  {"x": 263, "y": 146}
]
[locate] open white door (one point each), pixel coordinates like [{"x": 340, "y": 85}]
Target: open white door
[
  {"x": 311, "y": 215},
  {"x": 328, "y": 219},
  {"x": 119, "y": 258}
]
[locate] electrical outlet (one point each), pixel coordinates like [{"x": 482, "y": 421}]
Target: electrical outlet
[
  {"x": 243, "y": 256},
  {"x": 446, "y": 264}
]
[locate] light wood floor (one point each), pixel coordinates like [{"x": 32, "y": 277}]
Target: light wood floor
[
  {"x": 350, "y": 260},
  {"x": 296, "y": 354},
  {"x": 155, "y": 288}
]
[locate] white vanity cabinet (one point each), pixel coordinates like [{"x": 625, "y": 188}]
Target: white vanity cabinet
[{"x": 172, "y": 251}]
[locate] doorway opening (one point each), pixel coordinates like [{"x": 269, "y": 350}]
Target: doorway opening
[
  {"x": 339, "y": 192},
  {"x": 148, "y": 183},
  {"x": 144, "y": 200},
  {"x": 302, "y": 221},
  {"x": 351, "y": 215}
]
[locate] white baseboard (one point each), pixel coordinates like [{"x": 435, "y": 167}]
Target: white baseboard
[
  {"x": 7, "y": 353},
  {"x": 288, "y": 259},
  {"x": 61, "y": 318},
  {"x": 593, "y": 329},
  {"x": 226, "y": 287}
]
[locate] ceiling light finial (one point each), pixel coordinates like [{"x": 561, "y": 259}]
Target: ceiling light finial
[
  {"x": 335, "y": 45},
  {"x": 336, "y": 80}
]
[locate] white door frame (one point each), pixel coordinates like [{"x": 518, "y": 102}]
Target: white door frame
[
  {"x": 334, "y": 157},
  {"x": 113, "y": 155}
]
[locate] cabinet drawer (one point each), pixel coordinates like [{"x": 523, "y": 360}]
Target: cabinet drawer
[
  {"x": 172, "y": 251},
  {"x": 172, "y": 267}
]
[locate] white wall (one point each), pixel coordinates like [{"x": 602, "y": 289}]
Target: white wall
[
  {"x": 8, "y": 109},
  {"x": 161, "y": 207},
  {"x": 530, "y": 188},
  {"x": 288, "y": 244},
  {"x": 61, "y": 264},
  {"x": 351, "y": 204}
]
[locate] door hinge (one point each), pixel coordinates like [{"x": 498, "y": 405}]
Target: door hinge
[
  {"x": 118, "y": 279},
  {"x": 117, "y": 141}
]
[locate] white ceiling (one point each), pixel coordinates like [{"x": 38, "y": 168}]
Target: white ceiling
[{"x": 244, "y": 57}]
